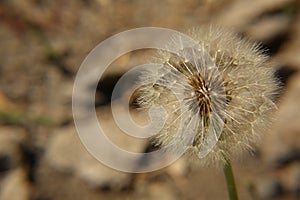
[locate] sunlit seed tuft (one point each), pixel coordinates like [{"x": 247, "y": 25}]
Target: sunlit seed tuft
[{"x": 229, "y": 91}]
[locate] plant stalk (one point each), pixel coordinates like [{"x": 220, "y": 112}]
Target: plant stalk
[{"x": 231, "y": 187}]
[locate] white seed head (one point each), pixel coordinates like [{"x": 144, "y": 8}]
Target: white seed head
[{"x": 219, "y": 96}]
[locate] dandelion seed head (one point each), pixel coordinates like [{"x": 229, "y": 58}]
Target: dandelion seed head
[{"x": 221, "y": 92}]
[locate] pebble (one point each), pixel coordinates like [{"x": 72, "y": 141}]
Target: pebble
[
  {"x": 15, "y": 186},
  {"x": 269, "y": 187},
  {"x": 10, "y": 140},
  {"x": 67, "y": 154},
  {"x": 282, "y": 145}
]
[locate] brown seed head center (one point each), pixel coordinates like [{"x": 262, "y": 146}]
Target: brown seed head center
[{"x": 202, "y": 96}]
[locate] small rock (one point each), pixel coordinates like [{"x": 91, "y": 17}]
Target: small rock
[
  {"x": 6, "y": 104},
  {"x": 269, "y": 188},
  {"x": 5, "y": 163},
  {"x": 179, "y": 168},
  {"x": 282, "y": 145},
  {"x": 67, "y": 154},
  {"x": 291, "y": 178},
  {"x": 161, "y": 191},
  {"x": 158, "y": 190},
  {"x": 237, "y": 16},
  {"x": 10, "y": 140},
  {"x": 289, "y": 52},
  {"x": 268, "y": 27},
  {"x": 14, "y": 186}
]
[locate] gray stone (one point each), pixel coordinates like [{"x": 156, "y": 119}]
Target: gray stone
[
  {"x": 282, "y": 145},
  {"x": 291, "y": 178},
  {"x": 15, "y": 186},
  {"x": 10, "y": 140},
  {"x": 66, "y": 153},
  {"x": 237, "y": 16},
  {"x": 269, "y": 187},
  {"x": 161, "y": 191},
  {"x": 5, "y": 163}
]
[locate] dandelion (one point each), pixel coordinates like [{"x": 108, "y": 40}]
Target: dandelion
[
  {"x": 219, "y": 95},
  {"x": 238, "y": 91}
]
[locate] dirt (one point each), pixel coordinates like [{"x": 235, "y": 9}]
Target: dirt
[{"x": 43, "y": 44}]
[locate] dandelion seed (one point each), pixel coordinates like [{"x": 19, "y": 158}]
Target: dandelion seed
[{"x": 222, "y": 91}]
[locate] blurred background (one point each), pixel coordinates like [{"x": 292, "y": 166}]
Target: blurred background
[{"x": 43, "y": 43}]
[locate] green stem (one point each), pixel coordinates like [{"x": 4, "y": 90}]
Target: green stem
[{"x": 232, "y": 192}]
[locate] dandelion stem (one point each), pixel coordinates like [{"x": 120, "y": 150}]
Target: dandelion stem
[{"x": 231, "y": 187}]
